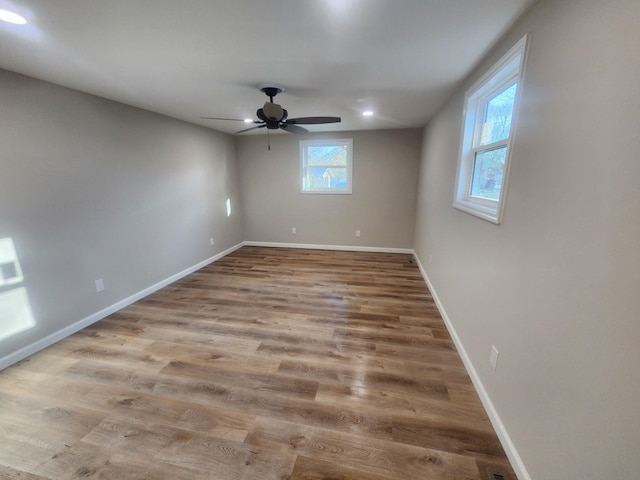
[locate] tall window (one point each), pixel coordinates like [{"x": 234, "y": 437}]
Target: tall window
[
  {"x": 326, "y": 165},
  {"x": 490, "y": 112}
]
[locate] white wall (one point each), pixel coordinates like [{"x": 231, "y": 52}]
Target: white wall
[
  {"x": 555, "y": 286},
  {"x": 382, "y": 206},
  {"x": 91, "y": 189}
]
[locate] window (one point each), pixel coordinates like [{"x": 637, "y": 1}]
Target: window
[
  {"x": 326, "y": 165},
  {"x": 490, "y": 113}
]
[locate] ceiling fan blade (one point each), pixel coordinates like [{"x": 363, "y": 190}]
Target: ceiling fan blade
[
  {"x": 252, "y": 128},
  {"x": 313, "y": 120},
  {"x": 220, "y": 118},
  {"x": 293, "y": 128}
]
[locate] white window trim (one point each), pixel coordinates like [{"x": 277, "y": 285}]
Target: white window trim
[
  {"x": 328, "y": 141},
  {"x": 475, "y": 98}
]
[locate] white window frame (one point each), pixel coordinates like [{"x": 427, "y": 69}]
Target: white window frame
[
  {"x": 348, "y": 142},
  {"x": 507, "y": 71}
]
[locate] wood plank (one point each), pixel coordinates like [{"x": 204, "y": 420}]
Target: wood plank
[
  {"x": 270, "y": 383},
  {"x": 127, "y": 466},
  {"x": 368, "y": 378},
  {"x": 228, "y": 460},
  {"x": 364, "y": 454},
  {"x": 220, "y": 422},
  {"x": 307, "y": 468},
  {"x": 76, "y": 460},
  {"x": 442, "y": 435},
  {"x": 9, "y": 473},
  {"x": 217, "y": 357}
]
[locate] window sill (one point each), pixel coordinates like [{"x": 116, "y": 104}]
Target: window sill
[
  {"x": 486, "y": 213},
  {"x": 325, "y": 192}
]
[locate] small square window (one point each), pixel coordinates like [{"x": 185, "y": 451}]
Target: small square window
[{"x": 326, "y": 166}]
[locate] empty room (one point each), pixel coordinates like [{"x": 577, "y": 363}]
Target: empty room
[{"x": 320, "y": 239}]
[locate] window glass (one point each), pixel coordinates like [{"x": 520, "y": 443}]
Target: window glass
[
  {"x": 488, "y": 169},
  {"x": 498, "y": 115}
]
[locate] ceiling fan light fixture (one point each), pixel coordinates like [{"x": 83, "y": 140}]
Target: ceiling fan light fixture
[
  {"x": 273, "y": 111},
  {"x": 248, "y": 120},
  {"x": 12, "y": 17}
]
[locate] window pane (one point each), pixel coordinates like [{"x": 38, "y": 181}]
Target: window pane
[
  {"x": 488, "y": 169},
  {"x": 497, "y": 116},
  {"x": 326, "y": 155},
  {"x": 323, "y": 177}
]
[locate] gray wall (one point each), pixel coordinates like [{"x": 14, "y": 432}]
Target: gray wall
[
  {"x": 382, "y": 206},
  {"x": 95, "y": 189},
  {"x": 555, "y": 286}
]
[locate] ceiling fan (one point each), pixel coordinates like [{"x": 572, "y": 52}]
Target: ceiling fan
[{"x": 273, "y": 117}]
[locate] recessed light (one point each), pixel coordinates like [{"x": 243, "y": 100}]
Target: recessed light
[
  {"x": 368, "y": 113},
  {"x": 11, "y": 17},
  {"x": 248, "y": 120}
]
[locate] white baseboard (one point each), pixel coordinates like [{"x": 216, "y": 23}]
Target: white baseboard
[
  {"x": 349, "y": 248},
  {"x": 509, "y": 448},
  {"x": 105, "y": 312}
]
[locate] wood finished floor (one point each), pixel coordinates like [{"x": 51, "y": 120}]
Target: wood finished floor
[{"x": 267, "y": 364}]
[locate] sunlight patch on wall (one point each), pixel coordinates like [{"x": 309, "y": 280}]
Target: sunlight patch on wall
[
  {"x": 10, "y": 271},
  {"x": 228, "y": 207},
  {"x": 15, "y": 310}
]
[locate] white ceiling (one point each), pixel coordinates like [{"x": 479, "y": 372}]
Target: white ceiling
[{"x": 193, "y": 58}]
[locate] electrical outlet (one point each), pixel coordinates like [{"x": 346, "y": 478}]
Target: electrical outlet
[
  {"x": 211, "y": 242},
  {"x": 294, "y": 231},
  {"x": 357, "y": 233},
  {"x": 99, "y": 285},
  {"x": 493, "y": 357}
]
